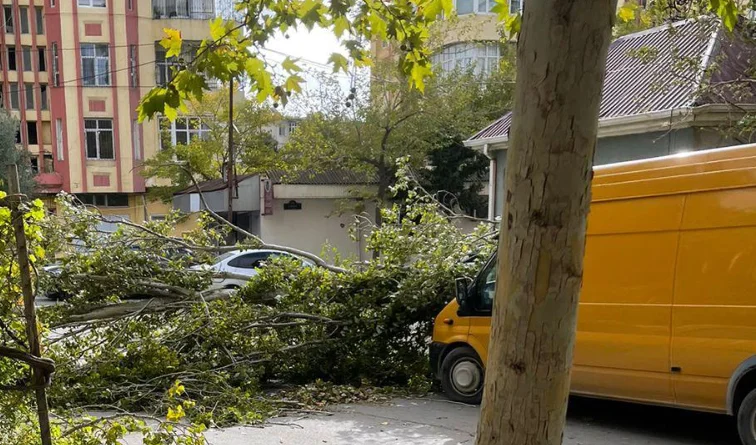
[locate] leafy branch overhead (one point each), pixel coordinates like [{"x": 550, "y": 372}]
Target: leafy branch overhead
[{"x": 233, "y": 49}]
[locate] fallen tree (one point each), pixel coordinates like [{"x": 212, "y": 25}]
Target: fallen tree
[{"x": 354, "y": 324}]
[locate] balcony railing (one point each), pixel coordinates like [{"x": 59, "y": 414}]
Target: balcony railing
[{"x": 183, "y": 9}]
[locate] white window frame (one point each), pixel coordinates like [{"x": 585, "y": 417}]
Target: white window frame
[
  {"x": 97, "y": 78},
  {"x": 203, "y": 132},
  {"x": 164, "y": 65},
  {"x": 136, "y": 140},
  {"x": 59, "y": 139},
  {"x": 483, "y": 56},
  {"x": 486, "y": 4},
  {"x": 97, "y": 130},
  {"x": 92, "y": 3},
  {"x": 292, "y": 126},
  {"x": 55, "y": 71},
  {"x": 133, "y": 71},
  {"x": 513, "y": 10}
]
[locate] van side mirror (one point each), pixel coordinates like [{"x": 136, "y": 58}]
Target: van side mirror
[{"x": 462, "y": 286}]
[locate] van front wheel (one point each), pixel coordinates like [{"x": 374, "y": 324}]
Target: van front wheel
[
  {"x": 747, "y": 419},
  {"x": 462, "y": 375}
]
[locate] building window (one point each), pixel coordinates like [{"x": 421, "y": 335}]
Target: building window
[
  {"x": 52, "y": 3},
  {"x": 104, "y": 199},
  {"x": 131, "y": 4},
  {"x": 14, "y": 96},
  {"x": 482, "y": 58},
  {"x": 99, "y": 135},
  {"x": 43, "y": 96},
  {"x": 92, "y": 3},
  {"x": 26, "y": 57},
  {"x": 23, "y": 12},
  {"x": 292, "y": 126},
  {"x": 136, "y": 139},
  {"x": 464, "y": 7},
  {"x": 515, "y": 6},
  {"x": 48, "y": 163},
  {"x": 133, "y": 72},
  {"x": 12, "y": 60},
  {"x": 183, "y": 130},
  {"x": 31, "y": 132},
  {"x": 157, "y": 217},
  {"x": 186, "y": 9},
  {"x": 165, "y": 66},
  {"x": 8, "y": 17},
  {"x": 95, "y": 64},
  {"x": 39, "y": 20},
  {"x": 282, "y": 130},
  {"x": 41, "y": 59},
  {"x": 59, "y": 138},
  {"x": 55, "y": 64},
  {"x": 29, "y": 88}
]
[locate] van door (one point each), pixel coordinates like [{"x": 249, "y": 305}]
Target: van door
[
  {"x": 623, "y": 336},
  {"x": 714, "y": 312},
  {"x": 481, "y": 303}
]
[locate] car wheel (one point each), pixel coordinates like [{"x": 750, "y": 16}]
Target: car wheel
[
  {"x": 747, "y": 419},
  {"x": 462, "y": 375}
]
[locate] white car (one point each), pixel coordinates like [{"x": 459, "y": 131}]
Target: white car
[{"x": 245, "y": 263}]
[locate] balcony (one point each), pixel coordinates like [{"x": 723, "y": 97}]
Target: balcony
[{"x": 183, "y": 9}]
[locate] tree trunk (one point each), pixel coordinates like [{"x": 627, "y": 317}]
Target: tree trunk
[{"x": 560, "y": 69}]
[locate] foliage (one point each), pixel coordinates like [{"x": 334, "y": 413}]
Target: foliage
[
  {"x": 456, "y": 175},
  {"x": 632, "y": 17},
  {"x": 10, "y": 153},
  {"x": 385, "y": 120},
  {"x": 139, "y": 320},
  {"x": 233, "y": 49},
  {"x": 206, "y": 158}
]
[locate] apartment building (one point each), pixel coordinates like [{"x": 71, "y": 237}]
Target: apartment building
[
  {"x": 73, "y": 72},
  {"x": 473, "y": 38}
]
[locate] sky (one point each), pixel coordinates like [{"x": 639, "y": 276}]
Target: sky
[
  {"x": 312, "y": 48},
  {"x": 316, "y": 45}
]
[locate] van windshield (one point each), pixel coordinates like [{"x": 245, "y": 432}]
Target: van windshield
[{"x": 486, "y": 287}]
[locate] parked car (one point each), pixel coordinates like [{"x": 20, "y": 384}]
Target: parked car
[{"x": 244, "y": 263}]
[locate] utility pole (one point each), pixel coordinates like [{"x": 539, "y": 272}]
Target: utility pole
[
  {"x": 230, "y": 176},
  {"x": 38, "y": 377}
]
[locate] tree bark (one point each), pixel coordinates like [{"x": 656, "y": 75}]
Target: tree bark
[{"x": 560, "y": 68}]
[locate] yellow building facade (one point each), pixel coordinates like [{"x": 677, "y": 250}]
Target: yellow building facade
[{"x": 73, "y": 72}]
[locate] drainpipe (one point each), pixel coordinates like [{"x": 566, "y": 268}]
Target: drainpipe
[{"x": 491, "y": 183}]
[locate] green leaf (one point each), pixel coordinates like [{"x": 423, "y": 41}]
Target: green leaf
[
  {"x": 627, "y": 12},
  {"x": 152, "y": 103},
  {"x": 293, "y": 83},
  {"x": 170, "y": 112},
  {"x": 431, "y": 9},
  {"x": 254, "y": 66},
  {"x": 513, "y": 24},
  {"x": 171, "y": 42},
  {"x": 340, "y": 25},
  {"x": 340, "y": 63},
  {"x": 418, "y": 74},
  {"x": 501, "y": 9},
  {"x": 217, "y": 29},
  {"x": 728, "y": 12},
  {"x": 290, "y": 66},
  {"x": 378, "y": 26}
]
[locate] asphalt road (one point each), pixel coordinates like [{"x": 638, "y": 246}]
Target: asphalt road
[{"x": 435, "y": 421}]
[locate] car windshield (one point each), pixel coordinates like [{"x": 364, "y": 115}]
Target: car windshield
[{"x": 225, "y": 256}]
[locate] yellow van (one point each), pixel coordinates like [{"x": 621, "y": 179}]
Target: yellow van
[{"x": 668, "y": 305}]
